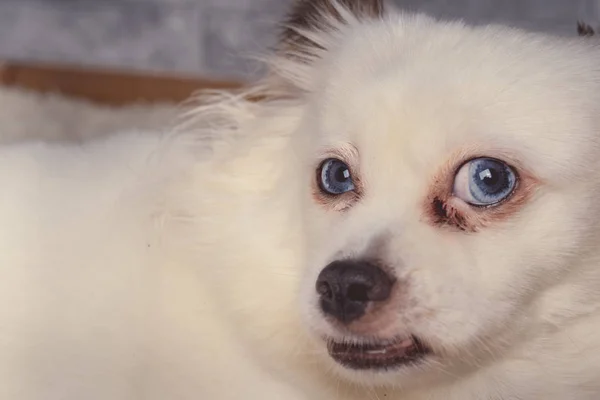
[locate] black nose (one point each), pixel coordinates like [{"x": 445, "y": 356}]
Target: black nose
[{"x": 347, "y": 287}]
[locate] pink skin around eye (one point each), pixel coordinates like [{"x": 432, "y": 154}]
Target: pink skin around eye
[{"x": 443, "y": 206}]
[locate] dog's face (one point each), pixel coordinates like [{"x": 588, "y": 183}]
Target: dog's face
[{"x": 450, "y": 188}]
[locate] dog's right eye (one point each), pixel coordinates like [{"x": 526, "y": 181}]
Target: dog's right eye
[{"x": 334, "y": 177}]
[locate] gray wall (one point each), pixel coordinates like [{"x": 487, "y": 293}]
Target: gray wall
[{"x": 214, "y": 37}]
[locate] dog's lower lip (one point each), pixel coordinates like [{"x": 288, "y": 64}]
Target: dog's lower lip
[{"x": 378, "y": 356}]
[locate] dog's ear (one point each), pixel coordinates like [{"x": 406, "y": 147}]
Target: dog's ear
[
  {"x": 584, "y": 29},
  {"x": 318, "y": 15},
  {"x": 309, "y": 15},
  {"x": 310, "y": 29}
]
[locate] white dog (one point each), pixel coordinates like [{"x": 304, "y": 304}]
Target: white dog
[{"x": 411, "y": 212}]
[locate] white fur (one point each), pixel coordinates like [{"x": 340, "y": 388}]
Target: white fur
[
  {"x": 27, "y": 115},
  {"x": 182, "y": 266}
]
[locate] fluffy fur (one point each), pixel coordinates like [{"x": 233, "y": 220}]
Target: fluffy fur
[
  {"x": 182, "y": 266},
  {"x": 27, "y": 115}
]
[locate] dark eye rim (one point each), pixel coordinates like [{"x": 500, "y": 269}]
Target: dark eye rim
[
  {"x": 319, "y": 171},
  {"x": 504, "y": 199}
]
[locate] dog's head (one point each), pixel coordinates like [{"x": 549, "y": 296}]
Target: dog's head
[{"x": 450, "y": 180}]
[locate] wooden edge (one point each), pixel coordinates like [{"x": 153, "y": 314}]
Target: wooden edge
[{"x": 105, "y": 86}]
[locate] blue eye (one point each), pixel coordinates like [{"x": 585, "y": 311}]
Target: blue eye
[
  {"x": 484, "y": 182},
  {"x": 334, "y": 177}
]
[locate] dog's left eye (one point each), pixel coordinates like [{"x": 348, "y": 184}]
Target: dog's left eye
[
  {"x": 334, "y": 177},
  {"x": 484, "y": 182}
]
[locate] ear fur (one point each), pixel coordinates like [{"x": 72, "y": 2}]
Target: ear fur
[
  {"x": 307, "y": 33},
  {"x": 317, "y": 15},
  {"x": 584, "y": 29}
]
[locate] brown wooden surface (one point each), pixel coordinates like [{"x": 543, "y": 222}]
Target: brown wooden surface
[{"x": 109, "y": 87}]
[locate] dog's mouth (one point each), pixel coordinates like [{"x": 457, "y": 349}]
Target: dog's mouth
[{"x": 378, "y": 356}]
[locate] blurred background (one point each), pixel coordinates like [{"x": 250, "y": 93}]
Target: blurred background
[{"x": 213, "y": 38}]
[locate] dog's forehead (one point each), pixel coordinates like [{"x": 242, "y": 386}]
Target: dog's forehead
[{"x": 423, "y": 98}]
